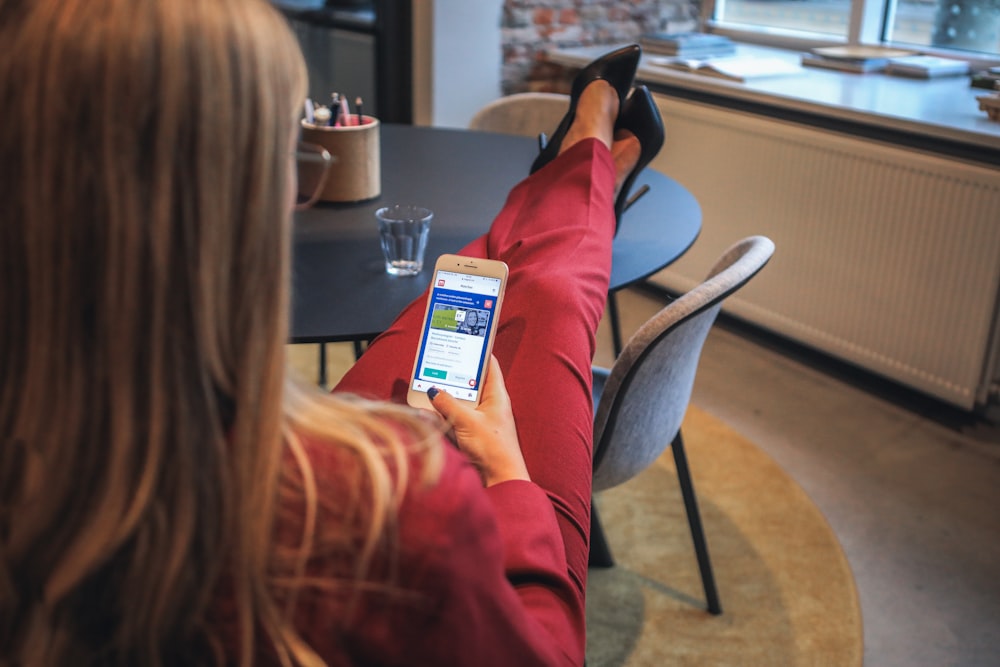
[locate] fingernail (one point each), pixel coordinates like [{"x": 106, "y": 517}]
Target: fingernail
[{"x": 432, "y": 392}]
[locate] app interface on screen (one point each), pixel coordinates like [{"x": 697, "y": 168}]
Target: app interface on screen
[{"x": 453, "y": 351}]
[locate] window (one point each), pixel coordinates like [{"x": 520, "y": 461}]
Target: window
[
  {"x": 826, "y": 18},
  {"x": 971, "y": 26}
]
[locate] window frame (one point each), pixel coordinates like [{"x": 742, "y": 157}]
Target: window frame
[{"x": 865, "y": 26}]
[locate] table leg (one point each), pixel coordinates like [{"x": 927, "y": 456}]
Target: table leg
[{"x": 322, "y": 365}]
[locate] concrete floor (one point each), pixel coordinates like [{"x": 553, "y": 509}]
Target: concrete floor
[{"x": 910, "y": 487}]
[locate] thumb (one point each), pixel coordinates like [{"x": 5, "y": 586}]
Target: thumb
[{"x": 446, "y": 404}]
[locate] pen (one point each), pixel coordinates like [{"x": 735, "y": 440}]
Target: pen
[
  {"x": 345, "y": 111},
  {"x": 358, "y": 106},
  {"x": 310, "y": 109},
  {"x": 335, "y": 109}
]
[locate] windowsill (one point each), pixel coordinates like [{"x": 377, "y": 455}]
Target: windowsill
[{"x": 937, "y": 114}]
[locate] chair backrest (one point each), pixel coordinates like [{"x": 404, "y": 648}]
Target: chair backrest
[
  {"x": 646, "y": 393},
  {"x": 523, "y": 114}
]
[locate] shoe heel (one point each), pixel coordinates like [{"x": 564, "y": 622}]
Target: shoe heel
[
  {"x": 641, "y": 117},
  {"x": 636, "y": 197}
]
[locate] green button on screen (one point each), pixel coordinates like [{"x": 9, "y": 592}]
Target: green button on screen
[{"x": 435, "y": 373}]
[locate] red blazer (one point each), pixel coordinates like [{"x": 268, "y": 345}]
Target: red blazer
[{"x": 480, "y": 576}]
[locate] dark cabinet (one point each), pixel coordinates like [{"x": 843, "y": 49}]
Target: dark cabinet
[{"x": 360, "y": 49}]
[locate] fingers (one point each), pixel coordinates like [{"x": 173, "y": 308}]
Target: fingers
[
  {"x": 446, "y": 404},
  {"x": 494, "y": 389},
  {"x": 454, "y": 410},
  {"x": 486, "y": 433}
]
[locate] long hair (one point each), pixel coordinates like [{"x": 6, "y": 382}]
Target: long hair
[{"x": 146, "y": 423}]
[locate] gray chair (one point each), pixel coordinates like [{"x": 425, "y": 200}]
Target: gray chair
[
  {"x": 641, "y": 400},
  {"x": 523, "y": 114}
]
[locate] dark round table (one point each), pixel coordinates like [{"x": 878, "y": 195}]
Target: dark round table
[{"x": 340, "y": 291}]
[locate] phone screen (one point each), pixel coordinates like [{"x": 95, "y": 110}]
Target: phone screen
[{"x": 452, "y": 354}]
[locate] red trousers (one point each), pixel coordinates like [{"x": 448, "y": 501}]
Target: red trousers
[{"x": 554, "y": 232}]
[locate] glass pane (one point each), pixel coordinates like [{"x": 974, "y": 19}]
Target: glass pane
[
  {"x": 972, "y": 25},
  {"x": 826, "y": 17}
]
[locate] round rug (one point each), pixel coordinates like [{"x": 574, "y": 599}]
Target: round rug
[{"x": 787, "y": 592}]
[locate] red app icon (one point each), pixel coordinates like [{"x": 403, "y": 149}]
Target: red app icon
[
  {"x": 488, "y": 303},
  {"x": 441, "y": 282}
]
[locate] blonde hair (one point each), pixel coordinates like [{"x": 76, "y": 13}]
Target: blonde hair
[{"x": 148, "y": 429}]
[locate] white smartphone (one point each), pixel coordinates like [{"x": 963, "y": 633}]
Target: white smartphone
[{"x": 458, "y": 329}]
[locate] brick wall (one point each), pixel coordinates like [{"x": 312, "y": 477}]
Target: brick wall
[{"x": 531, "y": 26}]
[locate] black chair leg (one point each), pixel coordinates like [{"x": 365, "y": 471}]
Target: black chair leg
[
  {"x": 600, "y": 552},
  {"x": 616, "y": 325},
  {"x": 694, "y": 521}
]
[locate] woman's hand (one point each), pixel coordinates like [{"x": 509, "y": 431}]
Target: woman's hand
[{"x": 486, "y": 433}]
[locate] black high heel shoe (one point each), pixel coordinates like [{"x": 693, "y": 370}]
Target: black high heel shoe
[
  {"x": 617, "y": 68},
  {"x": 641, "y": 117}
]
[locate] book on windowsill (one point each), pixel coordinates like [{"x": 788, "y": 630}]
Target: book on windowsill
[
  {"x": 737, "y": 68},
  {"x": 687, "y": 44},
  {"x": 991, "y": 105},
  {"x": 926, "y": 67},
  {"x": 987, "y": 78},
  {"x": 852, "y": 58},
  {"x": 853, "y": 66}
]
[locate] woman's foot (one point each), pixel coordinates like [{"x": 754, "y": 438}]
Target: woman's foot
[
  {"x": 617, "y": 69},
  {"x": 596, "y": 115},
  {"x": 625, "y": 151},
  {"x": 641, "y": 119}
]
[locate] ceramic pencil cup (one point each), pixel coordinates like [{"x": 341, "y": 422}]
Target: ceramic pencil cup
[{"x": 355, "y": 172}]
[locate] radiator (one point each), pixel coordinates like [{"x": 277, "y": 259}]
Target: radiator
[{"x": 887, "y": 258}]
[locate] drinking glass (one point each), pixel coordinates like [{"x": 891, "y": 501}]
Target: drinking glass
[{"x": 403, "y": 230}]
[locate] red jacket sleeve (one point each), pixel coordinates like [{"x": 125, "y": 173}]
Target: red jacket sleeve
[{"x": 484, "y": 582}]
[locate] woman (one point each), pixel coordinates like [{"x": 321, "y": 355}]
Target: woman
[
  {"x": 168, "y": 495},
  {"x": 471, "y": 324}
]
